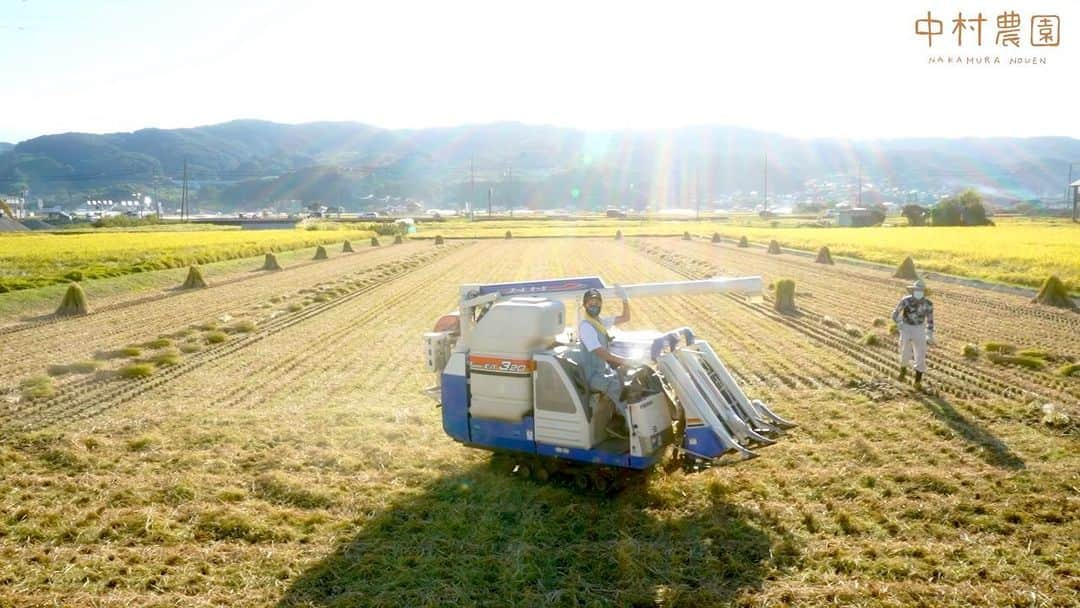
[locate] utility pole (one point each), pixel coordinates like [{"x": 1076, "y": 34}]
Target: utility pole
[
  {"x": 510, "y": 189},
  {"x": 183, "y": 194},
  {"x": 765, "y": 195},
  {"x": 491, "y": 193},
  {"x": 860, "y": 185},
  {"x": 1070, "y": 191},
  {"x": 472, "y": 185},
  {"x": 697, "y": 194}
]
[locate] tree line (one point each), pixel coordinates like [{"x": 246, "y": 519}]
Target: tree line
[{"x": 964, "y": 209}]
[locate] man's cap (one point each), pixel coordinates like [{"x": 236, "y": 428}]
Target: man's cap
[
  {"x": 591, "y": 293},
  {"x": 918, "y": 284}
]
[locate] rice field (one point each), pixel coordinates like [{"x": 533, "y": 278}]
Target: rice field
[
  {"x": 29, "y": 260},
  {"x": 1017, "y": 252},
  {"x": 266, "y": 441},
  {"x": 1011, "y": 252}
]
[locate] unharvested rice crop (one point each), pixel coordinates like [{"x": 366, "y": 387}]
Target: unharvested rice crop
[
  {"x": 1017, "y": 252},
  {"x": 34, "y": 259}
]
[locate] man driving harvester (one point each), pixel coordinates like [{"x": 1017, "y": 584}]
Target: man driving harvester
[{"x": 600, "y": 364}]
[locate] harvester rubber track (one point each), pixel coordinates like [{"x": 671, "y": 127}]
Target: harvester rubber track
[{"x": 583, "y": 477}]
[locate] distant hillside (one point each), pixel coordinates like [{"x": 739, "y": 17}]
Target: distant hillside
[
  {"x": 249, "y": 163},
  {"x": 4, "y": 146}
]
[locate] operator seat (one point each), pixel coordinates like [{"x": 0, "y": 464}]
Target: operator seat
[{"x": 592, "y": 400}]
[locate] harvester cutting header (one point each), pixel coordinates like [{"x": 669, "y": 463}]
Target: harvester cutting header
[{"x": 511, "y": 378}]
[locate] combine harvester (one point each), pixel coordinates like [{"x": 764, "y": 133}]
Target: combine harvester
[{"x": 509, "y": 381}]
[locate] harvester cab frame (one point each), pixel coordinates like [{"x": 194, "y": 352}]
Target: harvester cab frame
[{"x": 509, "y": 380}]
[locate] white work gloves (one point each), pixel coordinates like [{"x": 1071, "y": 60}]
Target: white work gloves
[
  {"x": 930, "y": 337},
  {"x": 619, "y": 291}
]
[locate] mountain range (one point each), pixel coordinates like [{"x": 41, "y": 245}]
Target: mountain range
[{"x": 249, "y": 164}]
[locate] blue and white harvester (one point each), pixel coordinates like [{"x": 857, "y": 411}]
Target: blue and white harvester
[{"x": 509, "y": 381}]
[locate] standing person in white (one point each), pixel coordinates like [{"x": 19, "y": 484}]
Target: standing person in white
[
  {"x": 914, "y": 316},
  {"x": 600, "y": 364}
]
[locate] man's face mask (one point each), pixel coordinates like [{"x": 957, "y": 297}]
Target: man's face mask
[
  {"x": 919, "y": 295},
  {"x": 593, "y": 308}
]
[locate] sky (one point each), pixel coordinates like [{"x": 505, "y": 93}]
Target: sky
[{"x": 828, "y": 68}]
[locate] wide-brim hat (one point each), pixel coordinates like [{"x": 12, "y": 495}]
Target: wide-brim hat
[{"x": 918, "y": 284}]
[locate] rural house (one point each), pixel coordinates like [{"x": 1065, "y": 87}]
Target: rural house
[{"x": 857, "y": 217}]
